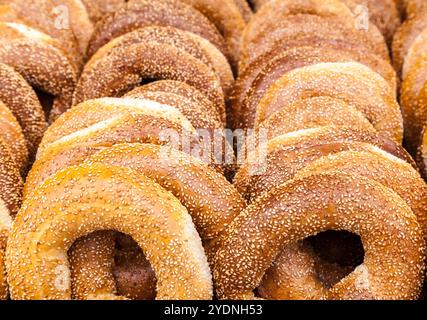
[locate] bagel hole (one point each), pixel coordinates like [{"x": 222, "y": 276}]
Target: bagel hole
[
  {"x": 135, "y": 278},
  {"x": 339, "y": 253},
  {"x": 46, "y": 101}
]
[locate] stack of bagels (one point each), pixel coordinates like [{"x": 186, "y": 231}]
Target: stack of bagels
[
  {"x": 411, "y": 61},
  {"x": 137, "y": 191}
]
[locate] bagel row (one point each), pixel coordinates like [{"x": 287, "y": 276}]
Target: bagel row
[
  {"x": 137, "y": 110},
  {"x": 137, "y": 189},
  {"x": 409, "y": 55},
  {"x": 306, "y": 88}
]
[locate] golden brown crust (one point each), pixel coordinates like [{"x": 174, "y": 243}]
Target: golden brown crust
[
  {"x": 112, "y": 120},
  {"x": 210, "y": 200},
  {"x": 245, "y": 9},
  {"x": 227, "y": 18},
  {"x": 143, "y": 203},
  {"x": 352, "y": 82},
  {"x": 406, "y": 35},
  {"x": 137, "y": 14},
  {"x": 194, "y": 45},
  {"x": 276, "y": 11},
  {"x": 11, "y": 182},
  {"x": 21, "y": 100},
  {"x": 297, "y": 53},
  {"x": 371, "y": 163},
  {"x": 261, "y": 74},
  {"x": 287, "y": 154},
  {"x": 191, "y": 102},
  {"x": 318, "y": 203},
  {"x": 124, "y": 69},
  {"x": 313, "y": 113},
  {"x": 98, "y": 8},
  {"x": 49, "y": 17},
  {"x": 44, "y": 65},
  {"x": 306, "y": 25},
  {"x": 11, "y": 134}
]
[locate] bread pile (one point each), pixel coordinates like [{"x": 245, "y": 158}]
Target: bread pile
[
  {"x": 129, "y": 193},
  {"x": 323, "y": 93}
]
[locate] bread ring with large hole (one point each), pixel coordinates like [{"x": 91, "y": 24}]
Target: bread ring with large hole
[
  {"x": 47, "y": 226},
  {"x": 210, "y": 200},
  {"x": 312, "y": 204},
  {"x": 124, "y": 69},
  {"x": 352, "y": 82},
  {"x": 371, "y": 163},
  {"x": 136, "y": 14},
  {"x": 42, "y": 63},
  {"x": 191, "y": 43}
]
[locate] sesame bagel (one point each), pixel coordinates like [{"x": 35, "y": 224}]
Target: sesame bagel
[
  {"x": 372, "y": 163},
  {"x": 124, "y": 69},
  {"x": 327, "y": 201},
  {"x": 406, "y": 35},
  {"x": 352, "y": 82},
  {"x": 12, "y": 136},
  {"x": 96, "y": 124},
  {"x": 95, "y": 120},
  {"x": 44, "y": 65},
  {"x": 227, "y": 18},
  {"x": 312, "y": 113},
  {"x": 384, "y": 14},
  {"x": 187, "y": 99},
  {"x": 275, "y": 11},
  {"x": 192, "y": 44},
  {"x": 261, "y": 74},
  {"x": 286, "y": 154},
  {"x": 305, "y": 25},
  {"x": 210, "y": 200},
  {"x": 51, "y": 17},
  {"x": 136, "y": 14},
  {"x": 298, "y": 53},
  {"x": 25, "y": 106},
  {"x": 48, "y": 275}
]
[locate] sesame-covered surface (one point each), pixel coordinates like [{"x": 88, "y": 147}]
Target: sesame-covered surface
[
  {"x": 53, "y": 21},
  {"x": 44, "y": 66},
  {"x": 123, "y": 70},
  {"x": 312, "y": 113},
  {"x": 25, "y": 106},
  {"x": 289, "y": 153},
  {"x": 371, "y": 163},
  {"x": 137, "y": 14},
  {"x": 304, "y": 25},
  {"x": 144, "y": 210},
  {"x": 352, "y": 82},
  {"x": 394, "y": 248},
  {"x": 406, "y": 35},
  {"x": 11, "y": 134},
  {"x": 193, "y": 44},
  {"x": 251, "y": 86}
]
